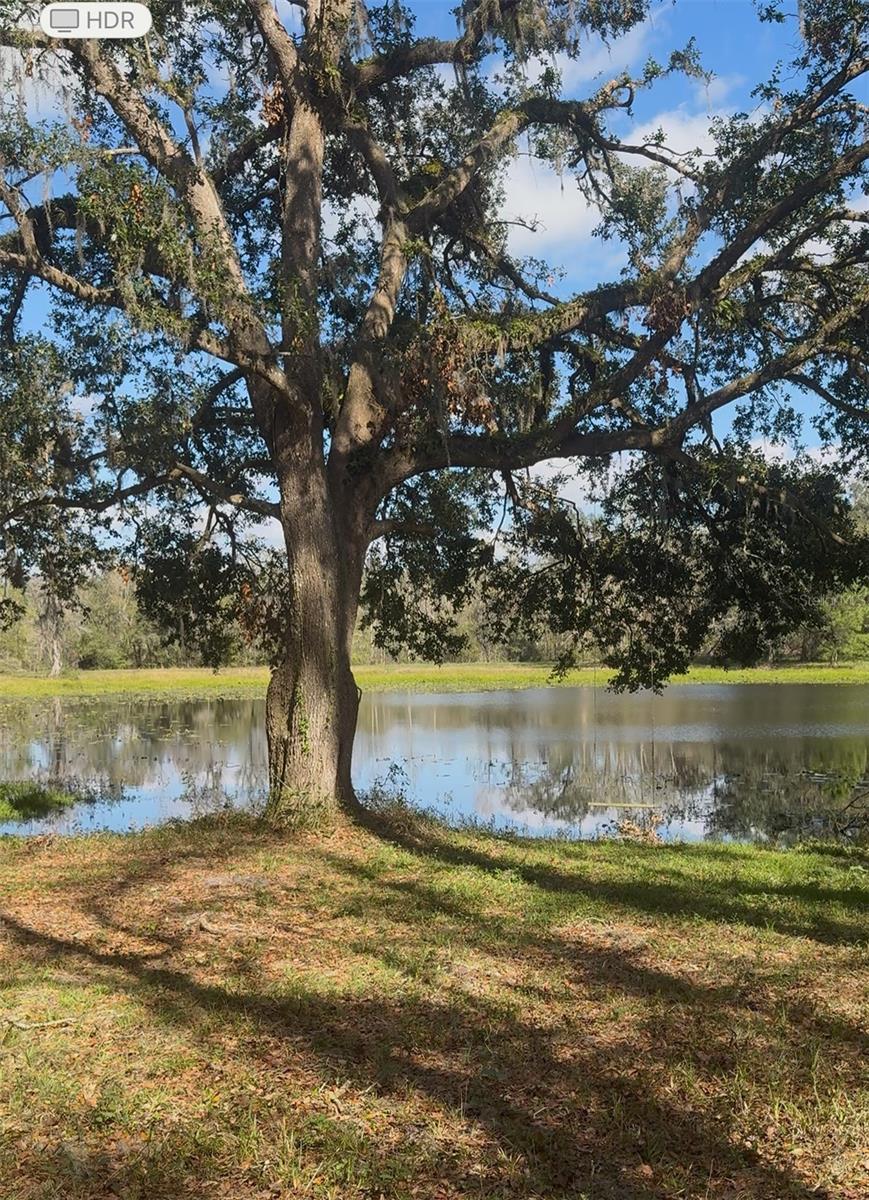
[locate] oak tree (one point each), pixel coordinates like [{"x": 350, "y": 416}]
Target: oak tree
[{"x": 266, "y": 251}]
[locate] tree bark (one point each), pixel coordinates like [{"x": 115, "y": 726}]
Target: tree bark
[
  {"x": 311, "y": 708},
  {"x": 312, "y": 700},
  {"x": 51, "y": 623}
]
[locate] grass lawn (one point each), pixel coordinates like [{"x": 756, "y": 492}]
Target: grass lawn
[
  {"x": 213, "y": 1010},
  {"x": 416, "y": 677}
]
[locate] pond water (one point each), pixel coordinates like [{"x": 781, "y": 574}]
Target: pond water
[{"x": 739, "y": 761}]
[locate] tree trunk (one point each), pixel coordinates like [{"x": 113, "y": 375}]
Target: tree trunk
[
  {"x": 311, "y": 708},
  {"x": 312, "y": 700},
  {"x": 51, "y": 624}
]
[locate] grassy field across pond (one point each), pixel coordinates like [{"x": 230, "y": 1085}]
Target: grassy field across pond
[
  {"x": 404, "y": 1011},
  {"x": 414, "y": 677}
]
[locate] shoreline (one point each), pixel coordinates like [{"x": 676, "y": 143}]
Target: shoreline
[{"x": 403, "y": 677}]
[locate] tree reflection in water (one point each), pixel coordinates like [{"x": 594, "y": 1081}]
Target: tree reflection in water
[{"x": 746, "y": 762}]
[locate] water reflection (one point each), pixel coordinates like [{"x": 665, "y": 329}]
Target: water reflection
[{"x": 732, "y": 761}]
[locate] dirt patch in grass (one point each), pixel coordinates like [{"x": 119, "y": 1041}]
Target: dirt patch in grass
[{"x": 405, "y": 1011}]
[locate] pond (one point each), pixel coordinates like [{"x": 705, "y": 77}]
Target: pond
[{"x": 750, "y": 762}]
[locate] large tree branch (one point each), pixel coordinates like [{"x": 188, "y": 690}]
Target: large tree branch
[
  {"x": 248, "y": 344},
  {"x": 64, "y": 213},
  {"x": 499, "y": 334},
  {"x": 379, "y": 166},
  {"x": 775, "y": 215},
  {"x": 102, "y": 502},
  {"x": 362, "y": 412},
  {"x": 97, "y": 503},
  {"x": 226, "y": 495},
  {"x": 187, "y": 177},
  {"x": 281, "y": 47},
  {"x": 427, "y": 52},
  {"x": 26, "y": 265},
  {"x": 716, "y": 199},
  {"x": 503, "y": 454},
  {"x": 778, "y": 368},
  {"x": 563, "y": 440},
  {"x": 248, "y": 340},
  {"x": 584, "y": 311}
]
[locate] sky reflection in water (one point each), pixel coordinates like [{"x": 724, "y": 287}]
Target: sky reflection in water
[{"x": 740, "y": 761}]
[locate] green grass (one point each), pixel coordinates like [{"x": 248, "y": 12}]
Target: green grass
[
  {"x": 26, "y": 801},
  {"x": 405, "y": 1010},
  {"x": 415, "y": 677}
]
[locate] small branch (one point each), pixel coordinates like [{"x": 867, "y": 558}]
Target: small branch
[
  {"x": 781, "y": 496},
  {"x": 14, "y": 1023},
  {"x": 244, "y": 152},
  {"x": 852, "y": 410},
  {"x": 391, "y": 525}
]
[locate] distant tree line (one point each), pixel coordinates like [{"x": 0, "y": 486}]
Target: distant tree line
[
  {"x": 107, "y": 628},
  {"x": 118, "y": 619}
]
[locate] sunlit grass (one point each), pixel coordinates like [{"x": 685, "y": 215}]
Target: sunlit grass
[{"x": 415, "y": 677}]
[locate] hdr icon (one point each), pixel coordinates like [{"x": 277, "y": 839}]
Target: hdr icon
[
  {"x": 95, "y": 20},
  {"x": 107, "y": 22}
]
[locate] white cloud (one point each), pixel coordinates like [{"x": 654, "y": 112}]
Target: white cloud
[
  {"x": 773, "y": 452},
  {"x": 577, "y": 489},
  {"x": 536, "y": 193},
  {"x": 713, "y": 92},
  {"x": 784, "y": 452},
  {"x": 683, "y": 131},
  {"x": 598, "y": 58},
  {"x": 825, "y": 456},
  {"x": 269, "y": 531},
  {"x": 290, "y": 15}
]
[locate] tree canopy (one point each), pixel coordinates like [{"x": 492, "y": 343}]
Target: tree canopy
[{"x": 276, "y": 282}]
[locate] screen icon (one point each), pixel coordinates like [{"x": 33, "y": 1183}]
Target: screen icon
[{"x": 63, "y": 20}]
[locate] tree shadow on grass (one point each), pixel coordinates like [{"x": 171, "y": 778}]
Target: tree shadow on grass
[
  {"x": 724, "y": 899},
  {"x": 554, "y": 1101},
  {"x": 162, "y": 1168},
  {"x": 579, "y": 1114}
]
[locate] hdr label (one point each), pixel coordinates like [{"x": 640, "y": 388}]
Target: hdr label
[{"x": 95, "y": 20}]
